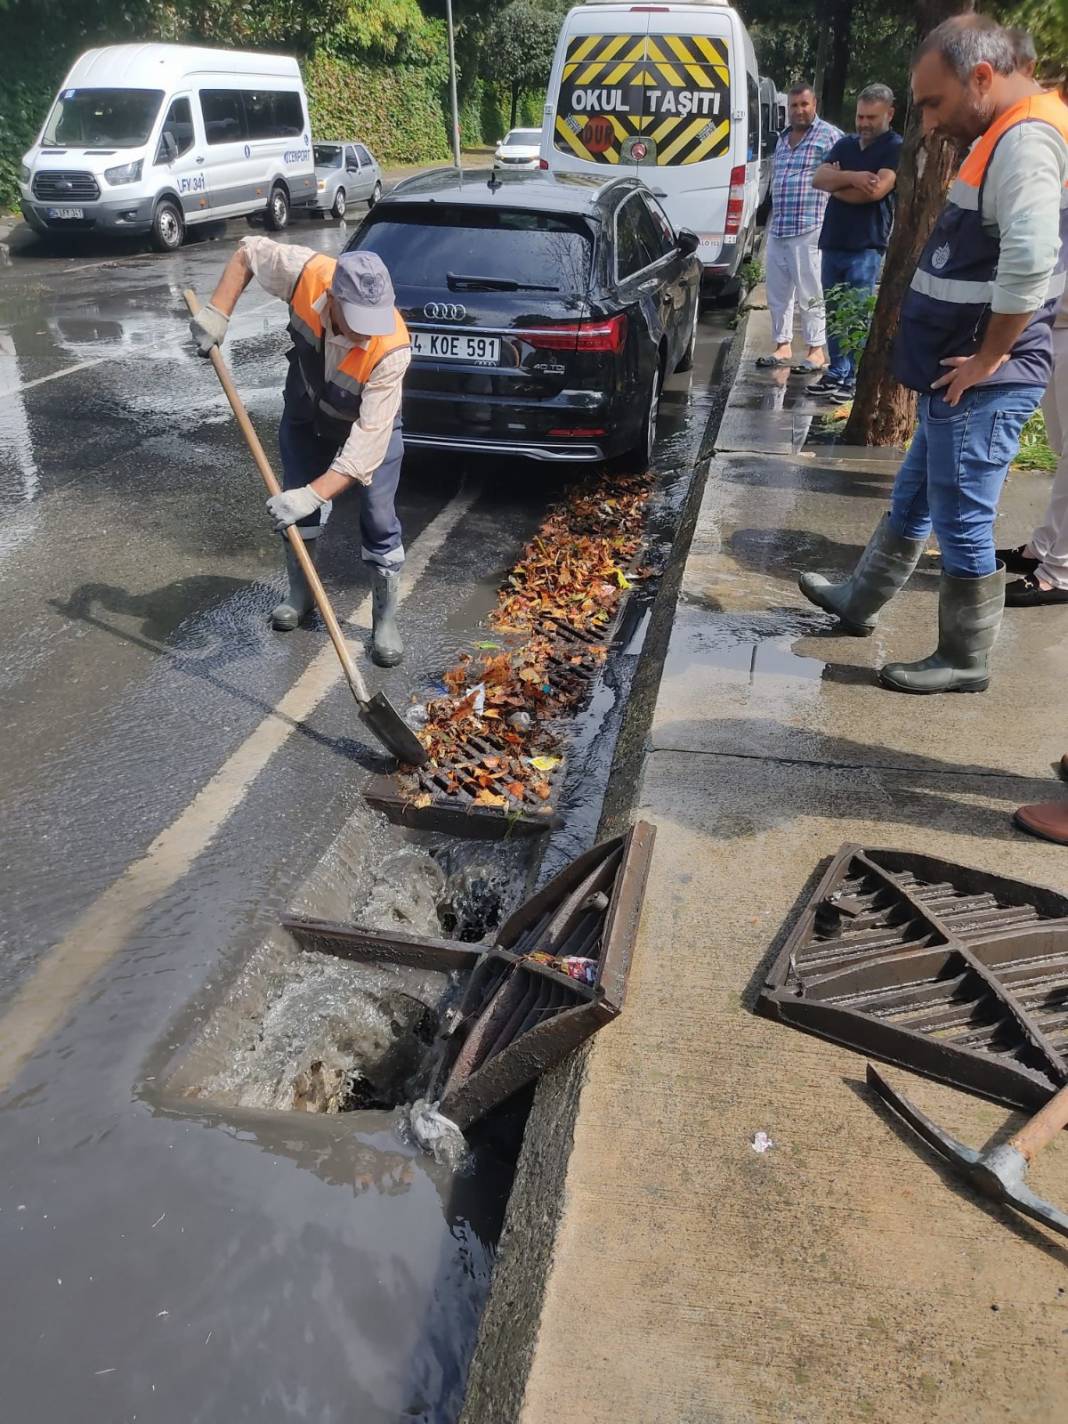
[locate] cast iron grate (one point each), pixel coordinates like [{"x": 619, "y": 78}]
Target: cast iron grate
[
  {"x": 572, "y": 668},
  {"x": 946, "y": 970},
  {"x": 517, "y": 1017}
]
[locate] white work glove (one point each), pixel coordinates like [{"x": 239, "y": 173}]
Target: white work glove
[
  {"x": 286, "y": 508},
  {"x": 208, "y": 328}
]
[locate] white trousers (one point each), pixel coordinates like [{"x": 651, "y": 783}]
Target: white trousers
[
  {"x": 792, "y": 266},
  {"x": 1049, "y": 542}
]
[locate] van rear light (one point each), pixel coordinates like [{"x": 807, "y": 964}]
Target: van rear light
[
  {"x": 543, "y": 163},
  {"x": 581, "y": 336},
  {"x": 735, "y": 202}
]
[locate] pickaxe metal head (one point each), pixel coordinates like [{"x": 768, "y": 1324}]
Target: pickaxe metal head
[{"x": 999, "y": 1173}]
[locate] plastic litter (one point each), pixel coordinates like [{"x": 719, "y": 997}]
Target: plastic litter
[
  {"x": 437, "y": 1134},
  {"x": 761, "y": 1142}
]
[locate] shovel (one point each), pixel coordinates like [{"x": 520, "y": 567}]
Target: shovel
[
  {"x": 1001, "y": 1172},
  {"x": 376, "y": 712}
]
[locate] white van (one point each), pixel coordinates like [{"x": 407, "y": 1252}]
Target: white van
[
  {"x": 670, "y": 93},
  {"x": 156, "y": 138}
]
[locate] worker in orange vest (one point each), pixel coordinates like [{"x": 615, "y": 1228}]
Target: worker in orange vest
[{"x": 341, "y": 424}]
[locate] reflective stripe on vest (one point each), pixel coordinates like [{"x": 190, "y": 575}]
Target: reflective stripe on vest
[
  {"x": 948, "y": 302},
  {"x": 337, "y": 400}
]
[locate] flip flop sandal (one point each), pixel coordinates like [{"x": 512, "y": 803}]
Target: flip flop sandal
[
  {"x": 808, "y": 368},
  {"x": 771, "y": 363}
]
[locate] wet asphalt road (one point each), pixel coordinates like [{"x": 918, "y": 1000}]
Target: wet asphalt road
[{"x": 161, "y": 810}]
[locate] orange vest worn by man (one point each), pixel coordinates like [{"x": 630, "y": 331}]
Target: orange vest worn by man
[{"x": 341, "y": 424}]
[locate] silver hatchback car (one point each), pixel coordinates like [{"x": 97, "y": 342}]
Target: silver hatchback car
[{"x": 345, "y": 173}]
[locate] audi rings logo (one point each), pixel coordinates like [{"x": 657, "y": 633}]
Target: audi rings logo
[{"x": 444, "y": 311}]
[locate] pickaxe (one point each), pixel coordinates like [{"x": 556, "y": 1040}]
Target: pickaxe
[{"x": 1000, "y": 1172}]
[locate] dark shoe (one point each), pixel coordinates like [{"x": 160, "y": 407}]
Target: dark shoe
[
  {"x": 1027, "y": 592},
  {"x": 824, "y": 386},
  {"x": 883, "y": 569},
  {"x": 387, "y": 646},
  {"x": 298, "y": 603},
  {"x": 1064, "y": 766},
  {"x": 969, "y": 616},
  {"x": 1016, "y": 561},
  {"x": 842, "y": 394},
  {"x": 1049, "y": 819}
]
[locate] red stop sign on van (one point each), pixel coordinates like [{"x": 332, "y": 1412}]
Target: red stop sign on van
[{"x": 597, "y": 136}]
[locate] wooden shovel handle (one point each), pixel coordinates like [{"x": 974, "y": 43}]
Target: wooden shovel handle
[
  {"x": 1043, "y": 1127},
  {"x": 270, "y": 479}
]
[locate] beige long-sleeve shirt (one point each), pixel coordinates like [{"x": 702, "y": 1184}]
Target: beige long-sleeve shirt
[{"x": 276, "y": 266}]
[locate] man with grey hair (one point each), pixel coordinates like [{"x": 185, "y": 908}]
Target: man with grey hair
[
  {"x": 859, "y": 173},
  {"x": 1023, "y": 46},
  {"x": 975, "y": 342}
]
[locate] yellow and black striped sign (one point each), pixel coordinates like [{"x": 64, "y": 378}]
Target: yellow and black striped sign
[{"x": 658, "y": 100}]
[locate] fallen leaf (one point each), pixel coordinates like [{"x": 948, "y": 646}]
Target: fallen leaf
[
  {"x": 487, "y": 798},
  {"x": 529, "y": 674},
  {"x": 545, "y": 763},
  {"x": 515, "y": 788},
  {"x": 542, "y": 789},
  {"x": 422, "y": 800}
]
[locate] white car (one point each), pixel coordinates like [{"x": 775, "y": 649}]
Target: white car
[{"x": 519, "y": 149}]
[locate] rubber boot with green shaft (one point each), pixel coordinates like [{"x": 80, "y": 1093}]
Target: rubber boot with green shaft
[
  {"x": 298, "y": 603},
  {"x": 969, "y": 616},
  {"x": 882, "y": 570},
  {"x": 387, "y": 645}
]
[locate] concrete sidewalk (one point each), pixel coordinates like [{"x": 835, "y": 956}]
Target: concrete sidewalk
[{"x": 839, "y": 1276}]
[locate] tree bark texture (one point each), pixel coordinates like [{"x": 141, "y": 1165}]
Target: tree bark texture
[
  {"x": 834, "y": 79},
  {"x": 884, "y": 412}
]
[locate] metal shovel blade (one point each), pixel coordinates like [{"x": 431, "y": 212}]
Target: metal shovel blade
[
  {"x": 392, "y": 730},
  {"x": 999, "y": 1173}
]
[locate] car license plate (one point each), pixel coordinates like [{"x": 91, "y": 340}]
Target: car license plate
[
  {"x": 66, "y": 212},
  {"x": 446, "y": 346}
]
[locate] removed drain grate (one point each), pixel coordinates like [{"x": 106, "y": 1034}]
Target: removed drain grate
[
  {"x": 517, "y": 1017},
  {"x": 939, "y": 968}
]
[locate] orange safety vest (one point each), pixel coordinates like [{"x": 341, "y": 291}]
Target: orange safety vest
[{"x": 335, "y": 402}]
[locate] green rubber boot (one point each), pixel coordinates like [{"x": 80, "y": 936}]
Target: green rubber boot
[
  {"x": 969, "y": 616},
  {"x": 882, "y": 570},
  {"x": 387, "y": 645},
  {"x": 298, "y": 603}
]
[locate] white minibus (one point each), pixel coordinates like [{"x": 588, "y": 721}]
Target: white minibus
[
  {"x": 670, "y": 93},
  {"x": 157, "y": 138}
]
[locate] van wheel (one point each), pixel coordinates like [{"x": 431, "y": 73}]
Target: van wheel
[
  {"x": 339, "y": 204},
  {"x": 277, "y": 216},
  {"x": 168, "y": 227}
]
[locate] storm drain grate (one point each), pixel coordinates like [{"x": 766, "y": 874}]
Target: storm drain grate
[
  {"x": 445, "y": 797},
  {"x": 939, "y": 968},
  {"x": 554, "y": 974}
]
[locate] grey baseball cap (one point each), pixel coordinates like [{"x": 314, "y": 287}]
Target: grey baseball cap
[{"x": 363, "y": 287}]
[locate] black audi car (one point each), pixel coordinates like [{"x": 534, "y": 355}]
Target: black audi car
[{"x": 545, "y": 310}]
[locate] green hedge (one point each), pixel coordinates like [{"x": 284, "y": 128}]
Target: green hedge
[
  {"x": 396, "y": 110},
  {"x": 25, "y": 95}
]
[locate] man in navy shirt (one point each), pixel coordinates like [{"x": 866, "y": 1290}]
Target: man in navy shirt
[{"x": 859, "y": 172}]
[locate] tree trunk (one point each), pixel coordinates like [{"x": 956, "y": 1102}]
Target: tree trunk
[
  {"x": 884, "y": 412},
  {"x": 515, "y": 102},
  {"x": 818, "y": 72},
  {"x": 834, "y": 80}
]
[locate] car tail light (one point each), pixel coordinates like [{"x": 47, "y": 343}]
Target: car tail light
[
  {"x": 581, "y": 336},
  {"x": 735, "y": 202},
  {"x": 572, "y": 432},
  {"x": 543, "y": 163}
]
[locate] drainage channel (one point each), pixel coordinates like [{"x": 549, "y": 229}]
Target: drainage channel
[{"x": 325, "y": 1032}]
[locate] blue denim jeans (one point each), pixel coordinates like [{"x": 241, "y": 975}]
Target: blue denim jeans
[
  {"x": 952, "y": 476},
  {"x": 859, "y": 270},
  {"x": 306, "y": 455}
]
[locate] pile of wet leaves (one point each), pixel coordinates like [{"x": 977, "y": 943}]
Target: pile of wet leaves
[{"x": 496, "y": 732}]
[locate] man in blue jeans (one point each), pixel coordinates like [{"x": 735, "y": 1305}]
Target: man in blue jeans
[
  {"x": 859, "y": 173},
  {"x": 975, "y": 341}
]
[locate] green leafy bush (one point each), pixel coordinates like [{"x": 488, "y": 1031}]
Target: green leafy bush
[
  {"x": 1035, "y": 450},
  {"x": 395, "y": 109}
]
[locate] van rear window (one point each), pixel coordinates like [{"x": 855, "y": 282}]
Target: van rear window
[
  {"x": 648, "y": 99},
  {"x": 422, "y": 246}
]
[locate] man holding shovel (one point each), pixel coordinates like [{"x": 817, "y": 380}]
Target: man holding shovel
[{"x": 341, "y": 418}]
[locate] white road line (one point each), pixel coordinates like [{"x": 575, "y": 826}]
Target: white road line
[
  {"x": 44, "y": 1000},
  {"x": 119, "y": 356}
]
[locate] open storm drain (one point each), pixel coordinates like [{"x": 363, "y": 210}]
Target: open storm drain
[
  {"x": 936, "y": 967},
  {"x": 497, "y": 737}
]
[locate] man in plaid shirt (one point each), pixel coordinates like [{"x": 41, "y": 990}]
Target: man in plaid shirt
[{"x": 792, "y": 256}]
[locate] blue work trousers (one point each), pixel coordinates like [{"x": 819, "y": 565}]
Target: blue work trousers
[
  {"x": 306, "y": 456},
  {"x": 952, "y": 476},
  {"x": 859, "y": 270}
]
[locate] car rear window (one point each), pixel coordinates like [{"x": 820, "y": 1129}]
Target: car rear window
[{"x": 421, "y": 248}]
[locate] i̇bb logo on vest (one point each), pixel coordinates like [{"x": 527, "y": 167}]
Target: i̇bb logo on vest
[{"x": 940, "y": 256}]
